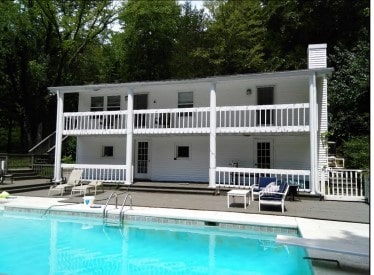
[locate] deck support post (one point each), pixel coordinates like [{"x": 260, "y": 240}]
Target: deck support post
[
  {"x": 313, "y": 133},
  {"x": 59, "y": 130},
  {"x": 213, "y": 134},
  {"x": 129, "y": 136}
]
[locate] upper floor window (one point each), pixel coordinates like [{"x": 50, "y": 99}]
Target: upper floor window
[
  {"x": 97, "y": 103},
  {"x": 185, "y": 99},
  {"x": 114, "y": 103}
]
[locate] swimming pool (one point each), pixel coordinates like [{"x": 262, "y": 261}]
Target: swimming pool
[{"x": 30, "y": 244}]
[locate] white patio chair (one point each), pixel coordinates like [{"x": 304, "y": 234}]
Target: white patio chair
[
  {"x": 73, "y": 180},
  {"x": 269, "y": 197},
  {"x": 84, "y": 188}
]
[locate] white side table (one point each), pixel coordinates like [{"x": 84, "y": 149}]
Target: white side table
[{"x": 239, "y": 193}]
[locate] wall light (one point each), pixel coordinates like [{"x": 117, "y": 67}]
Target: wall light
[{"x": 249, "y": 91}]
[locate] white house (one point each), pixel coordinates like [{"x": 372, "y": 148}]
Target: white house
[{"x": 223, "y": 130}]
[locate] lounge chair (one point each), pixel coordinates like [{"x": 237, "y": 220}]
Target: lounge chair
[
  {"x": 269, "y": 197},
  {"x": 73, "y": 180},
  {"x": 84, "y": 188},
  {"x": 263, "y": 183}
]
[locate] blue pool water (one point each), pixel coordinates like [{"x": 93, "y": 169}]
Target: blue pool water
[{"x": 34, "y": 245}]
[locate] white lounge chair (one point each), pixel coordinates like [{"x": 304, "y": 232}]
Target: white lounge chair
[
  {"x": 84, "y": 188},
  {"x": 269, "y": 197},
  {"x": 73, "y": 180}
]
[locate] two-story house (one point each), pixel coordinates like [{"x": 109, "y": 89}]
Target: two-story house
[{"x": 222, "y": 130}]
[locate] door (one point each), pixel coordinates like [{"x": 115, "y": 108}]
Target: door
[
  {"x": 265, "y": 96},
  {"x": 264, "y": 154},
  {"x": 140, "y": 103},
  {"x": 142, "y": 160}
]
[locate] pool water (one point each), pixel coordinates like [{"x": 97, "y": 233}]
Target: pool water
[{"x": 34, "y": 245}]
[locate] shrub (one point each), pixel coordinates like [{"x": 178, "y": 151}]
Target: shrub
[{"x": 356, "y": 151}]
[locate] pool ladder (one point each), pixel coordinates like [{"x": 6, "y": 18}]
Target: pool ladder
[{"x": 107, "y": 220}]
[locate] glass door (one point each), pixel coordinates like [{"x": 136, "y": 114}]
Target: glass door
[{"x": 142, "y": 159}]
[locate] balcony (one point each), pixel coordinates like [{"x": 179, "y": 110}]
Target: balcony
[{"x": 230, "y": 119}]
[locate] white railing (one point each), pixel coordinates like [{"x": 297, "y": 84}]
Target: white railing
[
  {"x": 263, "y": 118},
  {"x": 230, "y": 119},
  {"x": 110, "y": 122},
  {"x": 179, "y": 120},
  {"x": 103, "y": 172},
  {"x": 345, "y": 184},
  {"x": 233, "y": 177}
]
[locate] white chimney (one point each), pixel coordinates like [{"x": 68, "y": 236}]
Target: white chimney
[{"x": 317, "y": 56}]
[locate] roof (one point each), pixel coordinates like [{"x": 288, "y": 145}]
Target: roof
[{"x": 213, "y": 79}]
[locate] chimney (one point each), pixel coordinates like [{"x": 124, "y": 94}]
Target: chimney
[{"x": 317, "y": 56}]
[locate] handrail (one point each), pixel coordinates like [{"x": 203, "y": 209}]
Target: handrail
[
  {"x": 107, "y": 202},
  {"x": 128, "y": 195},
  {"x": 41, "y": 142}
]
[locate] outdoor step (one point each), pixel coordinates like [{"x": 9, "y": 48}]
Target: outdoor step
[
  {"x": 158, "y": 189},
  {"x": 19, "y": 189}
]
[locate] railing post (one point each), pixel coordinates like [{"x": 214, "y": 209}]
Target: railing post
[
  {"x": 313, "y": 133},
  {"x": 212, "y": 144},
  {"x": 129, "y": 137},
  {"x": 59, "y": 129}
]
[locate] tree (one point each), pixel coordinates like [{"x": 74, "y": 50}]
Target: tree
[
  {"x": 191, "y": 30},
  {"x": 349, "y": 92},
  {"x": 235, "y": 37},
  {"x": 148, "y": 39},
  {"x": 44, "y": 43}
]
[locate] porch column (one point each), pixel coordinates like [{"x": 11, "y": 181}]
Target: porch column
[
  {"x": 129, "y": 136},
  {"x": 213, "y": 128},
  {"x": 58, "y": 142},
  {"x": 313, "y": 112}
]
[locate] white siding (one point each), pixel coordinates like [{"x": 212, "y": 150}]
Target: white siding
[
  {"x": 317, "y": 56},
  {"x": 89, "y": 150},
  {"x": 322, "y": 122},
  {"x": 292, "y": 152}
]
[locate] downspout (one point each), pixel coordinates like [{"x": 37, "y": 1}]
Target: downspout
[{"x": 59, "y": 130}]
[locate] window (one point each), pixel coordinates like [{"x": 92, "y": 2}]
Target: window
[
  {"x": 97, "y": 103},
  {"x": 114, "y": 103},
  {"x": 185, "y": 99},
  {"x": 183, "y": 151},
  {"x": 108, "y": 151}
]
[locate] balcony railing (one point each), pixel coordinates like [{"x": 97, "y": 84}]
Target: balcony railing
[
  {"x": 234, "y": 177},
  {"x": 181, "y": 120},
  {"x": 110, "y": 122},
  {"x": 230, "y": 119},
  {"x": 263, "y": 118}
]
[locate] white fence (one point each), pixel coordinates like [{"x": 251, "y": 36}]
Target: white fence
[
  {"x": 106, "y": 173},
  {"x": 264, "y": 118},
  {"x": 345, "y": 184},
  {"x": 110, "y": 122},
  {"x": 230, "y": 119},
  {"x": 180, "y": 120},
  {"x": 232, "y": 177}
]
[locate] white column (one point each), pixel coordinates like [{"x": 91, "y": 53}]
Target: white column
[
  {"x": 59, "y": 129},
  {"x": 213, "y": 128},
  {"x": 129, "y": 137},
  {"x": 313, "y": 126}
]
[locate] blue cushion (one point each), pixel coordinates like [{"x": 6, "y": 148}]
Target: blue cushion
[{"x": 264, "y": 181}]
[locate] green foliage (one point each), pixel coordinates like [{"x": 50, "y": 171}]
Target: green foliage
[
  {"x": 349, "y": 92},
  {"x": 70, "y": 148},
  {"x": 356, "y": 152},
  {"x": 148, "y": 40}
]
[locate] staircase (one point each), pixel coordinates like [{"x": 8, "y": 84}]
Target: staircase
[{"x": 20, "y": 174}]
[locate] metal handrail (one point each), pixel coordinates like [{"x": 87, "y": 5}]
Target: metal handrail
[
  {"x": 121, "y": 214},
  {"x": 107, "y": 202}
]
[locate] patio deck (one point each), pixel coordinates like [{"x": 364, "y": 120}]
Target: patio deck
[{"x": 347, "y": 222}]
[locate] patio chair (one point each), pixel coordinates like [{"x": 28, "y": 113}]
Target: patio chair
[
  {"x": 263, "y": 183},
  {"x": 73, "y": 180},
  {"x": 269, "y": 197},
  {"x": 84, "y": 188}
]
